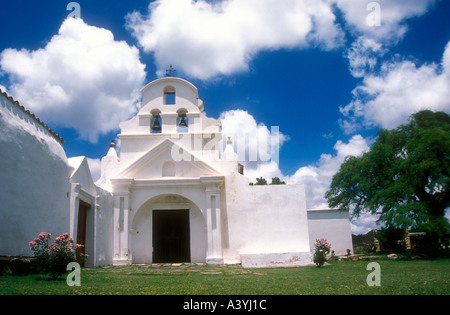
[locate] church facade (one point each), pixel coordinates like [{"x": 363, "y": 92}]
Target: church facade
[{"x": 172, "y": 195}]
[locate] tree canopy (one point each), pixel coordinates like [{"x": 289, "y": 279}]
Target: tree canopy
[
  {"x": 262, "y": 181},
  {"x": 404, "y": 177}
]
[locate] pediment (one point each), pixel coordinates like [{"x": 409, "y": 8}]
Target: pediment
[
  {"x": 81, "y": 174},
  {"x": 164, "y": 161}
]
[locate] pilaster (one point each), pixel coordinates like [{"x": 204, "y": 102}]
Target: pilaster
[
  {"x": 122, "y": 253},
  {"x": 214, "y": 254}
]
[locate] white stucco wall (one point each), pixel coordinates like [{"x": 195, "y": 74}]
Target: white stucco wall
[
  {"x": 104, "y": 230},
  {"x": 99, "y": 219},
  {"x": 230, "y": 221},
  {"x": 142, "y": 232},
  {"x": 186, "y": 94},
  {"x": 264, "y": 219},
  {"x": 34, "y": 181},
  {"x": 334, "y": 226}
]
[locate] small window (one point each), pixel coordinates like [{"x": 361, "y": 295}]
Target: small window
[
  {"x": 170, "y": 99},
  {"x": 169, "y": 95}
]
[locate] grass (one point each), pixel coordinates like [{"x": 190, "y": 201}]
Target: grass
[{"x": 343, "y": 278}]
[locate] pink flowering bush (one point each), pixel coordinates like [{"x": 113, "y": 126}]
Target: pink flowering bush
[
  {"x": 54, "y": 258},
  {"x": 370, "y": 247},
  {"x": 322, "y": 249}
]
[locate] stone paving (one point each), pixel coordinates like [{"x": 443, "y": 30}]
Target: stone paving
[{"x": 178, "y": 268}]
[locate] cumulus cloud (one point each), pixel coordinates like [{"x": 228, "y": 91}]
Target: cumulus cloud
[
  {"x": 376, "y": 26},
  {"x": 267, "y": 170},
  {"x": 361, "y": 17},
  {"x": 364, "y": 55},
  {"x": 364, "y": 224},
  {"x": 250, "y": 139},
  {"x": 256, "y": 144},
  {"x": 81, "y": 79},
  {"x": 402, "y": 88},
  {"x": 205, "y": 39},
  {"x": 95, "y": 168},
  {"x": 317, "y": 178}
]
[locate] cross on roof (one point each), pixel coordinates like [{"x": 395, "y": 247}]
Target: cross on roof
[{"x": 170, "y": 71}]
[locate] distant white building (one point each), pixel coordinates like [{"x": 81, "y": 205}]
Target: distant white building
[{"x": 170, "y": 196}]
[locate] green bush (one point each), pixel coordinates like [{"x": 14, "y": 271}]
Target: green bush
[
  {"x": 322, "y": 249},
  {"x": 54, "y": 258}
]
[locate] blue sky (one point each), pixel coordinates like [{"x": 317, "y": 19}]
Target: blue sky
[{"x": 323, "y": 71}]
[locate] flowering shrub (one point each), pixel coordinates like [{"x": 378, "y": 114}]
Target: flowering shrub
[
  {"x": 370, "y": 247},
  {"x": 322, "y": 249},
  {"x": 54, "y": 258}
]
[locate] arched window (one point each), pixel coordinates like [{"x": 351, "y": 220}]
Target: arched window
[
  {"x": 168, "y": 169},
  {"x": 169, "y": 95},
  {"x": 156, "y": 122},
  {"x": 182, "y": 121}
]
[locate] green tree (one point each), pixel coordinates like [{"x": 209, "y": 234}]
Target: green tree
[
  {"x": 277, "y": 181},
  {"x": 261, "y": 181},
  {"x": 404, "y": 177}
]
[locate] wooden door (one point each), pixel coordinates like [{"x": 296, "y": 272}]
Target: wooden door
[
  {"x": 171, "y": 236},
  {"x": 81, "y": 231}
]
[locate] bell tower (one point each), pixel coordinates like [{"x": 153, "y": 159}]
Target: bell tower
[{"x": 171, "y": 109}]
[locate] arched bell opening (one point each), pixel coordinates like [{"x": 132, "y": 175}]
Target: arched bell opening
[{"x": 156, "y": 122}]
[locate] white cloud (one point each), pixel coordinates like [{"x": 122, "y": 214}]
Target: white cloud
[
  {"x": 402, "y": 88},
  {"x": 95, "y": 168},
  {"x": 376, "y": 26},
  {"x": 257, "y": 145},
  {"x": 363, "y": 56},
  {"x": 317, "y": 178},
  {"x": 393, "y": 16},
  {"x": 267, "y": 170},
  {"x": 205, "y": 39},
  {"x": 246, "y": 134},
  {"x": 82, "y": 79},
  {"x": 242, "y": 127},
  {"x": 365, "y": 223}
]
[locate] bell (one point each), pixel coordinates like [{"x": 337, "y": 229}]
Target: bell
[
  {"x": 183, "y": 122},
  {"x": 156, "y": 125}
]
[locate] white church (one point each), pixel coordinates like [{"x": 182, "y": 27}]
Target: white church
[{"x": 173, "y": 194}]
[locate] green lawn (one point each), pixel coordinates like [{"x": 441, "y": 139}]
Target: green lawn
[{"x": 345, "y": 277}]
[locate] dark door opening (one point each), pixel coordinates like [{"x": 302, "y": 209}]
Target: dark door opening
[
  {"x": 171, "y": 236},
  {"x": 81, "y": 231}
]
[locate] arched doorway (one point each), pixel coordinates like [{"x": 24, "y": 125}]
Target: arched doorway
[
  {"x": 171, "y": 237},
  {"x": 168, "y": 229}
]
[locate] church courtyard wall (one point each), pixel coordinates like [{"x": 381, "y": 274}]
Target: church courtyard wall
[{"x": 34, "y": 179}]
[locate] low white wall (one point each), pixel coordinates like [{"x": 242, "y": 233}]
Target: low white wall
[
  {"x": 334, "y": 226},
  {"x": 276, "y": 260},
  {"x": 34, "y": 181},
  {"x": 268, "y": 219}
]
